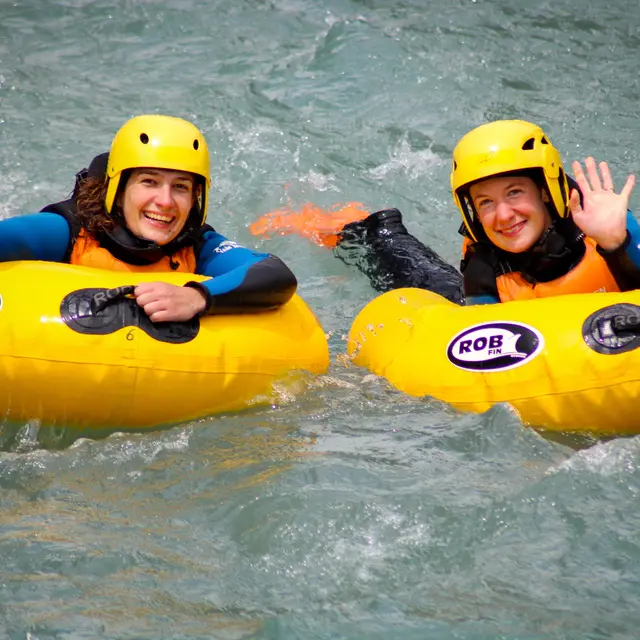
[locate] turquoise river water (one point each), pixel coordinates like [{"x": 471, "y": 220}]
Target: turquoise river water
[{"x": 350, "y": 510}]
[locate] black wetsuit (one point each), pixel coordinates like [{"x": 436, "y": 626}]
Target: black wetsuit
[{"x": 382, "y": 248}]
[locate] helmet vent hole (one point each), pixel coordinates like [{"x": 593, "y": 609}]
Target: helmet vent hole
[
  {"x": 196, "y": 144},
  {"x": 528, "y": 145},
  {"x": 455, "y": 165},
  {"x": 544, "y": 140},
  {"x": 144, "y": 138}
]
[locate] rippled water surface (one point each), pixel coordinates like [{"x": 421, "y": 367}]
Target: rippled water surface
[{"x": 350, "y": 510}]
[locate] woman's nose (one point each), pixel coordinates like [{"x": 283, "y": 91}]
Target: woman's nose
[
  {"x": 163, "y": 196},
  {"x": 504, "y": 211}
]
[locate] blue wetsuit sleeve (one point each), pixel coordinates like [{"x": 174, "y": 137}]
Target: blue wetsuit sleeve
[
  {"x": 633, "y": 249},
  {"x": 37, "y": 236},
  {"x": 624, "y": 262},
  {"x": 241, "y": 280},
  {"x": 482, "y": 299}
]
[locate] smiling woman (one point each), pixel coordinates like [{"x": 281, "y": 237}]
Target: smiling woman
[
  {"x": 142, "y": 208},
  {"x": 156, "y": 203},
  {"x": 120, "y": 321},
  {"x": 530, "y": 230}
]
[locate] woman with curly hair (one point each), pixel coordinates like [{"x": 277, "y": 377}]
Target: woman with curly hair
[{"x": 142, "y": 208}]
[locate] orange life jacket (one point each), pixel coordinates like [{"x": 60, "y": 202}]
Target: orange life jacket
[
  {"x": 590, "y": 275},
  {"x": 87, "y": 252}
]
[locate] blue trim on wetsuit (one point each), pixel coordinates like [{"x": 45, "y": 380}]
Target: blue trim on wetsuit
[
  {"x": 470, "y": 301},
  {"x": 633, "y": 249},
  {"x": 225, "y": 261}
]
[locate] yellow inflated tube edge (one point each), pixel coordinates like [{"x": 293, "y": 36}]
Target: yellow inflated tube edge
[
  {"x": 407, "y": 336},
  {"x": 128, "y": 378}
]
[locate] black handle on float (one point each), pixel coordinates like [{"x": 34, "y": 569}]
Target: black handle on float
[
  {"x": 103, "y": 299},
  {"x": 625, "y": 323}
]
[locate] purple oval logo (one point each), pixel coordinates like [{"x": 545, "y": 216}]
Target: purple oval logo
[{"x": 494, "y": 346}]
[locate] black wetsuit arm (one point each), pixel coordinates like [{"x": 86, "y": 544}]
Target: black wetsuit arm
[{"x": 242, "y": 281}]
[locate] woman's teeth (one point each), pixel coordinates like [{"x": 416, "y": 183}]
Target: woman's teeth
[
  {"x": 512, "y": 231},
  {"x": 158, "y": 217}
]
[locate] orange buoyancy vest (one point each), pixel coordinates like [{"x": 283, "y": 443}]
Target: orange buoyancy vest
[
  {"x": 87, "y": 252},
  {"x": 591, "y": 274}
]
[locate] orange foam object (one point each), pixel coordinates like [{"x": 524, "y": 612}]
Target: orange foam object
[{"x": 321, "y": 226}]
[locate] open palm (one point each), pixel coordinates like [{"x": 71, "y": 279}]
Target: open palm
[{"x": 602, "y": 215}]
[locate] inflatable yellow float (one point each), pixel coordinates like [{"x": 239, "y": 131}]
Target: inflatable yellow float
[
  {"x": 568, "y": 363},
  {"x": 76, "y": 351}
]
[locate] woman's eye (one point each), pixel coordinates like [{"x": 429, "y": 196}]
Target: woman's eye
[
  {"x": 148, "y": 181},
  {"x": 183, "y": 187}
]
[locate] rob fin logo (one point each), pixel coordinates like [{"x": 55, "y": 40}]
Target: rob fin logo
[{"x": 494, "y": 346}]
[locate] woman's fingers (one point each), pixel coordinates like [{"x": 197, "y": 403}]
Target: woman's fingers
[
  {"x": 160, "y": 316},
  {"x": 164, "y": 302},
  {"x": 152, "y": 297},
  {"x": 154, "y": 306},
  {"x": 574, "y": 202},
  {"x": 581, "y": 179},
  {"x": 596, "y": 183},
  {"x": 592, "y": 172},
  {"x": 628, "y": 187},
  {"x": 607, "y": 182}
]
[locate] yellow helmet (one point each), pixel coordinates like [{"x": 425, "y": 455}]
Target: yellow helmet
[
  {"x": 158, "y": 142},
  {"x": 506, "y": 146}
]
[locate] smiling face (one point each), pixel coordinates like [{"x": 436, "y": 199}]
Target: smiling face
[
  {"x": 156, "y": 203},
  {"x": 511, "y": 210}
]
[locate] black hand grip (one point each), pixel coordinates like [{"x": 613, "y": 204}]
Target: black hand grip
[
  {"x": 102, "y": 299},
  {"x": 626, "y": 323},
  {"x": 613, "y": 329}
]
